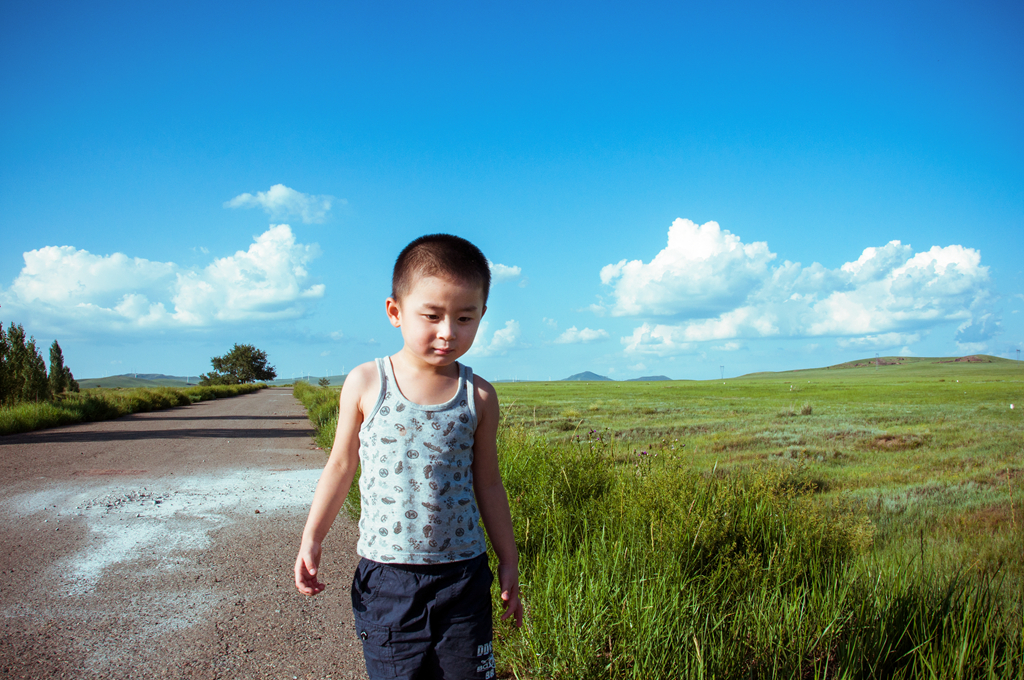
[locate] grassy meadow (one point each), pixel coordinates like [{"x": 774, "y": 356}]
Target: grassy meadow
[{"x": 859, "y": 521}]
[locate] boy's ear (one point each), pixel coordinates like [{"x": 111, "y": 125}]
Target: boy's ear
[
  {"x": 394, "y": 312},
  {"x": 483, "y": 311}
]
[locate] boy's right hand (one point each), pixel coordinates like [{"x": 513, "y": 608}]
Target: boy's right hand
[{"x": 307, "y": 565}]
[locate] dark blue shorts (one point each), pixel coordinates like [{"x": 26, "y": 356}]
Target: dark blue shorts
[{"x": 425, "y": 622}]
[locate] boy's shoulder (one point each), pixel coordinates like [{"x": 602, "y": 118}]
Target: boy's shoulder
[
  {"x": 362, "y": 374},
  {"x": 484, "y": 393},
  {"x": 361, "y": 384}
]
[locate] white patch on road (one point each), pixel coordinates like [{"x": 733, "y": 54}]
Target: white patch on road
[{"x": 163, "y": 519}]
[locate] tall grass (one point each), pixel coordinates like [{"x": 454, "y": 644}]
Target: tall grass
[
  {"x": 106, "y": 404},
  {"x": 643, "y": 568},
  {"x": 322, "y": 408}
]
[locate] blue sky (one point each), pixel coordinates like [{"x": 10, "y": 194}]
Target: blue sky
[{"x": 668, "y": 189}]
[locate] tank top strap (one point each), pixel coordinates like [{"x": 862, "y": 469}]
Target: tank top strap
[
  {"x": 466, "y": 380},
  {"x": 382, "y": 376}
]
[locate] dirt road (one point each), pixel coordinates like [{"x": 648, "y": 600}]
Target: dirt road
[{"x": 162, "y": 544}]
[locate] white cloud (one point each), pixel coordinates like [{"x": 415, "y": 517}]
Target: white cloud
[
  {"x": 877, "y": 342},
  {"x": 64, "y": 287},
  {"x": 501, "y": 272},
  {"x": 637, "y": 367},
  {"x": 503, "y": 340},
  {"x": 656, "y": 340},
  {"x": 711, "y": 287},
  {"x": 574, "y": 336},
  {"x": 281, "y": 203},
  {"x": 974, "y": 334},
  {"x": 730, "y": 346},
  {"x": 551, "y": 323},
  {"x": 262, "y": 283},
  {"x": 703, "y": 270}
]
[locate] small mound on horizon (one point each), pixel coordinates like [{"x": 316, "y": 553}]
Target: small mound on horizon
[{"x": 585, "y": 376}]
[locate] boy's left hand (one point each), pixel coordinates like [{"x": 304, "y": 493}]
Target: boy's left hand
[{"x": 508, "y": 581}]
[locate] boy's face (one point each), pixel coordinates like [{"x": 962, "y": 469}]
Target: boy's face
[{"x": 439, "y": 318}]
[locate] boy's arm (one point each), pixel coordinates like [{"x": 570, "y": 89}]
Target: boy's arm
[
  {"x": 492, "y": 499},
  {"x": 336, "y": 478}
]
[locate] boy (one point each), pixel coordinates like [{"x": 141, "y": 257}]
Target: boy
[{"x": 424, "y": 429}]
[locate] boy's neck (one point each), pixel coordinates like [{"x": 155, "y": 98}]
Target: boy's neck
[{"x": 423, "y": 383}]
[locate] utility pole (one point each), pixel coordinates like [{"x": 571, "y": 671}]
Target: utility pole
[{"x": 722, "y": 369}]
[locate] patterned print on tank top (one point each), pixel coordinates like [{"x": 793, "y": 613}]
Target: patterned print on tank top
[{"x": 416, "y": 483}]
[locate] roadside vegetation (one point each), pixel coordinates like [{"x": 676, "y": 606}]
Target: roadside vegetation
[
  {"x": 31, "y": 399},
  {"x": 107, "y": 404},
  {"x": 858, "y": 522},
  {"x": 23, "y": 374}
]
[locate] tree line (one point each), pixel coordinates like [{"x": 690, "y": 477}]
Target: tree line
[{"x": 23, "y": 373}]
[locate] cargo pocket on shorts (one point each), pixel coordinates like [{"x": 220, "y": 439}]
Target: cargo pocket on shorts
[{"x": 377, "y": 650}]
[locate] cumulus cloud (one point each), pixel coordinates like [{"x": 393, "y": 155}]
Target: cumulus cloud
[
  {"x": 263, "y": 283},
  {"x": 703, "y": 270},
  {"x": 64, "y": 287},
  {"x": 503, "y": 340},
  {"x": 501, "y": 272},
  {"x": 574, "y": 336},
  {"x": 710, "y": 286},
  {"x": 282, "y": 203}
]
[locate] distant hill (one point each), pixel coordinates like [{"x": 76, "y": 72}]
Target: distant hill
[
  {"x": 139, "y": 380},
  {"x": 585, "y": 376},
  {"x": 649, "y": 378},
  {"x": 977, "y": 366}
]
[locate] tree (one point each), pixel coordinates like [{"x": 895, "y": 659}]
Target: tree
[
  {"x": 243, "y": 364},
  {"x": 5, "y": 367},
  {"x": 58, "y": 378},
  {"x": 324, "y": 382},
  {"x": 23, "y": 374},
  {"x": 24, "y": 370}
]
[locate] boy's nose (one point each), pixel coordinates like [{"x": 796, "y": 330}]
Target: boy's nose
[{"x": 446, "y": 329}]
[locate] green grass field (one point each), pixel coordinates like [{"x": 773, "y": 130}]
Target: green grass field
[{"x": 851, "y": 522}]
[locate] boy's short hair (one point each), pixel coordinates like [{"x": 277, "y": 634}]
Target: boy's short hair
[{"x": 444, "y": 256}]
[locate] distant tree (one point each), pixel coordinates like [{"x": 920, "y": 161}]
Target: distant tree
[
  {"x": 37, "y": 386},
  {"x": 23, "y": 375},
  {"x": 25, "y": 371},
  {"x": 243, "y": 364},
  {"x": 58, "y": 375},
  {"x": 69, "y": 380},
  {"x": 5, "y": 362},
  {"x": 324, "y": 382}
]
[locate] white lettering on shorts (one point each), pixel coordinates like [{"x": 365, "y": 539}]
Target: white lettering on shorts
[{"x": 486, "y": 665}]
